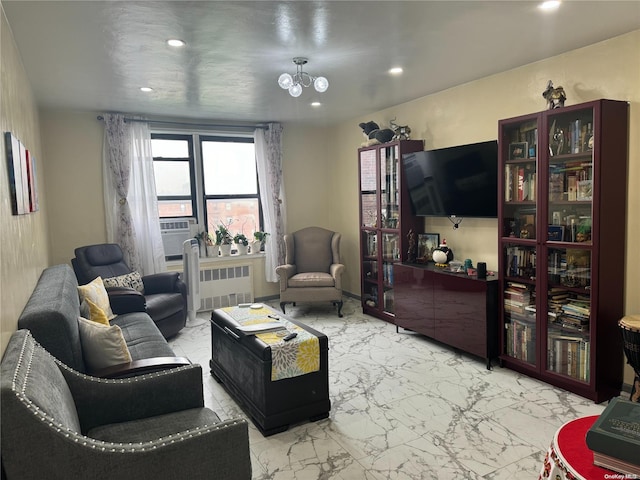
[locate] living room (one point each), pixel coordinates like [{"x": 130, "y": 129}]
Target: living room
[{"x": 319, "y": 163}]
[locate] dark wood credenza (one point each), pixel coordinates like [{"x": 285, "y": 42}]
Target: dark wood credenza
[{"x": 453, "y": 308}]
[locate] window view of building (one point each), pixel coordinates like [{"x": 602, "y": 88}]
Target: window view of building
[{"x": 210, "y": 178}]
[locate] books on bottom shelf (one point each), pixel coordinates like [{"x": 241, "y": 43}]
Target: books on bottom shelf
[
  {"x": 614, "y": 438},
  {"x": 568, "y": 354},
  {"x": 521, "y": 339}
]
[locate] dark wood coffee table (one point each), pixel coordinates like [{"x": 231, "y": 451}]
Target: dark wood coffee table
[{"x": 243, "y": 364}]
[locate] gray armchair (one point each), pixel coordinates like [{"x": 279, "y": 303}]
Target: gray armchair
[
  {"x": 60, "y": 424},
  {"x": 165, "y": 294},
  {"x": 312, "y": 272}
]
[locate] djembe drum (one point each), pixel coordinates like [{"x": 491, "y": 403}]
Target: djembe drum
[{"x": 630, "y": 327}]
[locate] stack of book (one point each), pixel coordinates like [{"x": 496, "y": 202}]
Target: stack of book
[
  {"x": 615, "y": 438},
  {"x": 520, "y": 313}
]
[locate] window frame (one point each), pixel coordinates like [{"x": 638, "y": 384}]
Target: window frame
[
  {"x": 192, "y": 174},
  {"x": 195, "y": 139}
]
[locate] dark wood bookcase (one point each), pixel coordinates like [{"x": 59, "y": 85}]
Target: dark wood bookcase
[
  {"x": 562, "y": 211},
  {"x": 385, "y": 220}
]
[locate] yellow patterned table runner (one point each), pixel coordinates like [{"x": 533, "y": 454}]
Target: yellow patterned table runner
[{"x": 288, "y": 359}]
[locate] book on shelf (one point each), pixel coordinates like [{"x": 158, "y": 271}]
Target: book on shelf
[{"x": 616, "y": 434}]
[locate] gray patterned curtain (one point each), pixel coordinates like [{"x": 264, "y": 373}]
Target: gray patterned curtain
[
  {"x": 116, "y": 173},
  {"x": 268, "y": 143}
]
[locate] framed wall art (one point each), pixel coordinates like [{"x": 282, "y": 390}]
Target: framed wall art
[{"x": 427, "y": 243}]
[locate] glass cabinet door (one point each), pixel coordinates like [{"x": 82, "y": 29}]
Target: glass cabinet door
[
  {"x": 570, "y": 210},
  {"x": 569, "y": 312},
  {"x": 570, "y": 177},
  {"x": 520, "y": 180},
  {"x": 519, "y": 302},
  {"x": 368, "y": 193},
  {"x": 389, "y": 187},
  {"x": 390, "y": 255}
]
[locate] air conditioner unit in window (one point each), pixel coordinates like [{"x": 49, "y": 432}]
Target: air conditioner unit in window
[{"x": 174, "y": 231}]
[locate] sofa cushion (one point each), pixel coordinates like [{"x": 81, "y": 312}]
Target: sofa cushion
[
  {"x": 96, "y": 314},
  {"x": 96, "y": 292},
  {"x": 129, "y": 280},
  {"x": 143, "y": 338},
  {"x": 152, "y": 428},
  {"x": 102, "y": 346}
]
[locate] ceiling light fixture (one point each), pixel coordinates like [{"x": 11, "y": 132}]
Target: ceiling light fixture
[
  {"x": 176, "y": 42},
  {"x": 395, "y": 70},
  {"x": 549, "y": 5},
  {"x": 295, "y": 82},
  {"x": 146, "y": 89}
]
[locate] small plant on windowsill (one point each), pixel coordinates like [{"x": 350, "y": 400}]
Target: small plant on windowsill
[
  {"x": 223, "y": 236},
  {"x": 259, "y": 240},
  {"x": 240, "y": 239}
]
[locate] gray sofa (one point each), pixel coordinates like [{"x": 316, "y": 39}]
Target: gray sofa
[
  {"x": 51, "y": 314},
  {"x": 60, "y": 424}
]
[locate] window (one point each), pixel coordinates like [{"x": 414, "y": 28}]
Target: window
[
  {"x": 216, "y": 182},
  {"x": 230, "y": 184},
  {"x": 173, "y": 163}
]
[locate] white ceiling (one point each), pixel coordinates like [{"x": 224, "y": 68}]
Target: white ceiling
[{"x": 94, "y": 55}]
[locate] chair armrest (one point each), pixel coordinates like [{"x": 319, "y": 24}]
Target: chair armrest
[
  {"x": 103, "y": 401},
  {"x": 140, "y": 367},
  {"x": 285, "y": 272},
  {"x": 336, "y": 270},
  {"x": 218, "y": 451},
  {"x": 163, "y": 282},
  {"x": 126, "y": 300}
]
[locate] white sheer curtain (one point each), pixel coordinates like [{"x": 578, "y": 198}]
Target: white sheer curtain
[
  {"x": 130, "y": 199},
  {"x": 268, "y": 144},
  {"x": 143, "y": 201}
]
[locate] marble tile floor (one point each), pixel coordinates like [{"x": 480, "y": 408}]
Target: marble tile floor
[{"x": 402, "y": 407}]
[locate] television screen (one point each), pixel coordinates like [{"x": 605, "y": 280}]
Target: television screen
[{"x": 457, "y": 181}]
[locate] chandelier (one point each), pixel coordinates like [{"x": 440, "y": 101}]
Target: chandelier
[{"x": 295, "y": 82}]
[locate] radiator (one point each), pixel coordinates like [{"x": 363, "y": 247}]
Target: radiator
[{"x": 225, "y": 286}]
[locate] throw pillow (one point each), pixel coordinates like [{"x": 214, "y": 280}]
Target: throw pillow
[
  {"x": 131, "y": 280},
  {"x": 96, "y": 314},
  {"x": 96, "y": 292},
  {"x": 102, "y": 346}
]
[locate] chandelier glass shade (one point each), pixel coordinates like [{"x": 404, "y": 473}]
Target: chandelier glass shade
[{"x": 294, "y": 83}]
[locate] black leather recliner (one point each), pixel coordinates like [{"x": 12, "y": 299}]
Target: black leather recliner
[{"x": 165, "y": 294}]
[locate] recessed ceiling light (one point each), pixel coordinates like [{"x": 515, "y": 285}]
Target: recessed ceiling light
[
  {"x": 175, "y": 42},
  {"x": 549, "y": 5},
  {"x": 146, "y": 89},
  {"x": 395, "y": 71},
  {"x": 315, "y": 104}
]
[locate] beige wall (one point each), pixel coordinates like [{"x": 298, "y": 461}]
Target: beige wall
[{"x": 23, "y": 238}]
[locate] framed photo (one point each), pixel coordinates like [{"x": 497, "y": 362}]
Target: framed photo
[
  {"x": 13, "y": 148},
  {"x": 427, "y": 243},
  {"x": 518, "y": 150}
]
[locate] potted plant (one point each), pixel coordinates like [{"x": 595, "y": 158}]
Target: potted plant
[
  {"x": 242, "y": 243},
  {"x": 202, "y": 242},
  {"x": 259, "y": 239},
  {"x": 224, "y": 240}
]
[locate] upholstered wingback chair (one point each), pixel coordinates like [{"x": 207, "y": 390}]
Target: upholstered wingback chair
[
  {"x": 164, "y": 297},
  {"x": 312, "y": 270},
  {"x": 60, "y": 424}
]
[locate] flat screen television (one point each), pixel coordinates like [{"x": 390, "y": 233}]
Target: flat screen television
[{"x": 459, "y": 181}]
